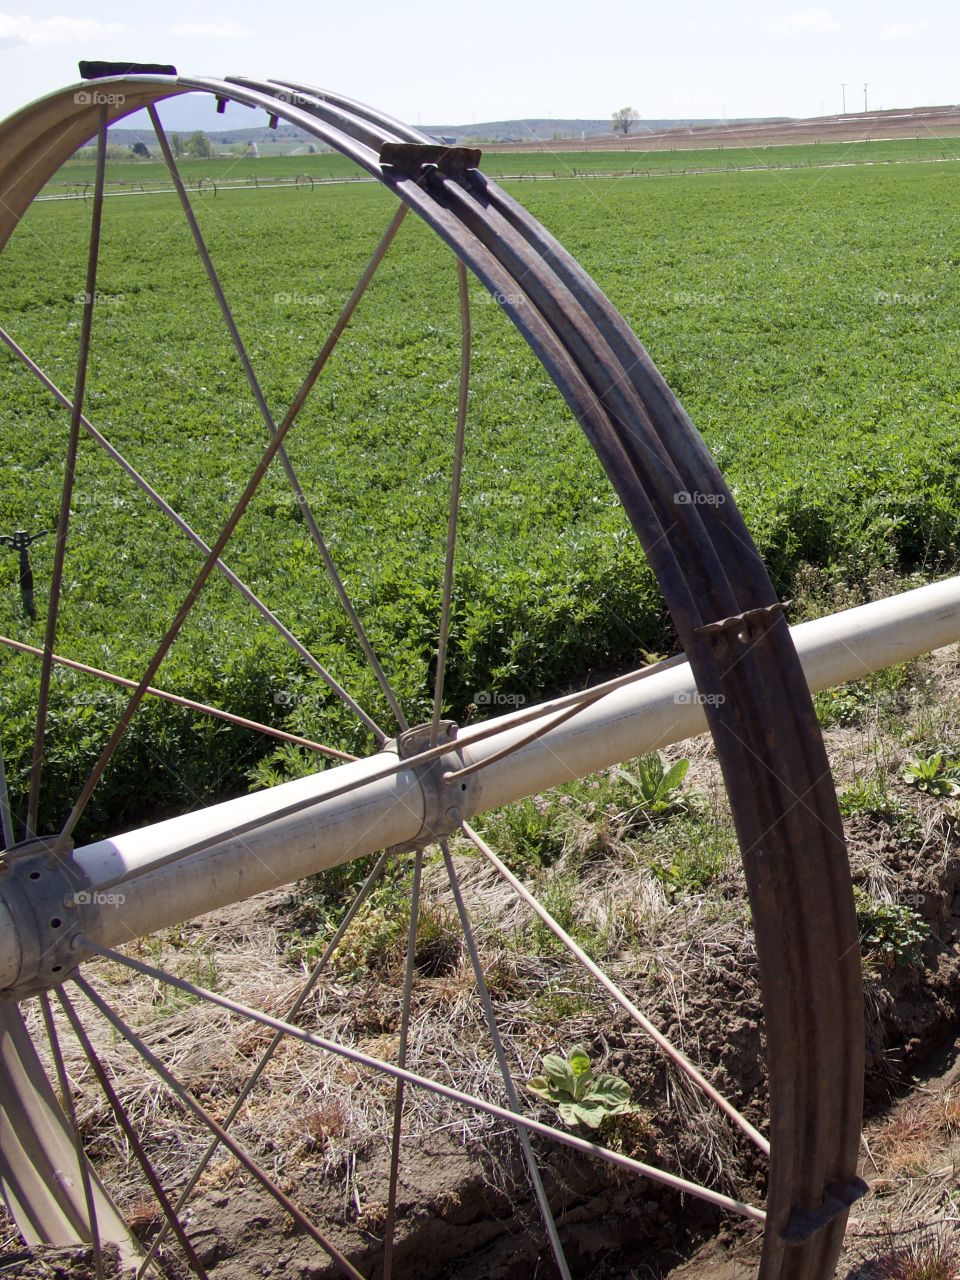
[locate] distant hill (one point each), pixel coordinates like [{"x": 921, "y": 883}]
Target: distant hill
[
  {"x": 548, "y": 130},
  {"x": 496, "y": 131}
]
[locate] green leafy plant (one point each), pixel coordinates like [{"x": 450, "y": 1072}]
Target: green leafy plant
[
  {"x": 933, "y": 775},
  {"x": 690, "y": 854},
  {"x": 579, "y": 1096},
  {"x": 658, "y": 789},
  {"x": 890, "y": 932}
]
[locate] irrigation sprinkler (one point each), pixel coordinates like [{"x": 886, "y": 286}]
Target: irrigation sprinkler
[
  {"x": 22, "y": 541},
  {"x": 744, "y": 675}
]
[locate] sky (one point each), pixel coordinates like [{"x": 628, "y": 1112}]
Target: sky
[{"x": 429, "y": 62}]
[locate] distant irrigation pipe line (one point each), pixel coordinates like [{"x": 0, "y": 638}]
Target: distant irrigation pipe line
[{"x": 307, "y": 182}]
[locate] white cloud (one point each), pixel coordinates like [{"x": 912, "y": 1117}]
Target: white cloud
[
  {"x": 808, "y": 20},
  {"x": 19, "y": 29},
  {"x": 901, "y": 30},
  {"x": 225, "y": 30}
]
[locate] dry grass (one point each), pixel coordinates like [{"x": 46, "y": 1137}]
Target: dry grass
[
  {"x": 931, "y": 1256},
  {"x": 677, "y": 952},
  {"x": 902, "y": 1145}
]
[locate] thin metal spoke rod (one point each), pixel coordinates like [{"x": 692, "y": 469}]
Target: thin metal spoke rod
[
  {"x": 265, "y": 413},
  {"x": 433, "y": 1086},
  {"x": 501, "y": 1056},
  {"x": 70, "y": 1110},
  {"x": 6, "y": 817},
  {"x": 454, "y": 775},
  {"x": 195, "y": 538},
  {"x": 362, "y": 894},
  {"x": 672, "y": 1052},
  {"x": 178, "y": 701},
  {"x": 390, "y": 1223},
  {"x": 455, "y": 480},
  {"x": 130, "y": 1133},
  {"x": 69, "y": 475},
  {"x": 190, "y": 1103},
  {"x": 226, "y": 533}
]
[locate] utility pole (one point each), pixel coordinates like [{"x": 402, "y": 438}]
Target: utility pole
[
  {"x": 843, "y": 90},
  {"x": 864, "y": 97}
]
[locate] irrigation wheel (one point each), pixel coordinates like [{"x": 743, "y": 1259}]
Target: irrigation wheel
[{"x": 59, "y": 902}]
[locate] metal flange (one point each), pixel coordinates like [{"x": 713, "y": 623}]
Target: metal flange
[
  {"x": 444, "y": 803},
  {"x": 44, "y": 899}
]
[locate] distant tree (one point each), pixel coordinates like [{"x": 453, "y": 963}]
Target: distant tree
[
  {"x": 141, "y": 149},
  {"x": 199, "y": 145},
  {"x": 623, "y": 119},
  {"x": 176, "y": 144},
  {"x": 114, "y": 152}
]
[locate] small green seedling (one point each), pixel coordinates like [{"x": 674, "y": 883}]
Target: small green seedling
[
  {"x": 580, "y": 1098},
  {"x": 933, "y": 775},
  {"x": 890, "y": 932},
  {"x": 657, "y": 788}
]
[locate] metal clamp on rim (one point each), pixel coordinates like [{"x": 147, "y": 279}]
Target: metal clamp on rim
[
  {"x": 837, "y": 1199},
  {"x": 445, "y": 804},
  {"x": 743, "y": 621}
]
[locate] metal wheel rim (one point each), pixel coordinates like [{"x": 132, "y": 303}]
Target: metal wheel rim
[{"x": 722, "y": 603}]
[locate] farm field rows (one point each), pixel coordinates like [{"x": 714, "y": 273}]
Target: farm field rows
[
  {"x": 808, "y": 320},
  {"x": 543, "y": 162}
]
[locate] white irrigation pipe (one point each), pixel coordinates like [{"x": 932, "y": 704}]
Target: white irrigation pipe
[{"x": 248, "y": 849}]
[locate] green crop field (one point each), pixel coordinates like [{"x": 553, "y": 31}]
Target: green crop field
[{"x": 809, "y": 319}]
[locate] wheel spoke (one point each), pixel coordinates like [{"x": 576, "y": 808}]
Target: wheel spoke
[
  {"x": 362, "y": 894},
  {"x": 464, "y": 391},
  {"x": 70, "y": 1111},
  {"x": 197, "y": 541},
  {"x": 240, "y": 721},
  {"x": 510, "y": 1088},
  {"x": 6, "y": 817},
  {"x": 226, "y": 533},
  {"x": 271, "y": 426},
  {"x": 673, "y": 1053},
  {"x": 586, "y": 700},
  {"x": 190, "y": 1103},
  {"x": 391, "y": 1219},
  {"x": 63, "y": 519},
  {"x": 120, "y": 1114},
  {"x": 432, "y": 1086}
]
